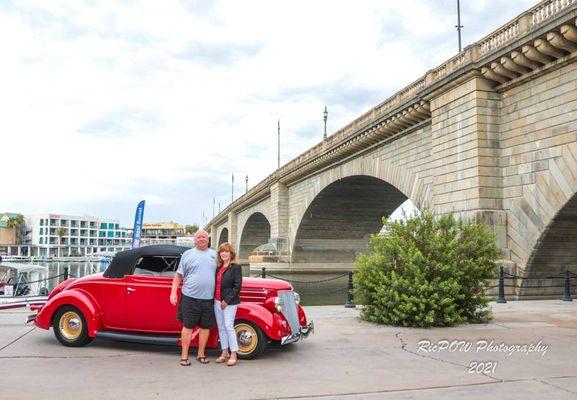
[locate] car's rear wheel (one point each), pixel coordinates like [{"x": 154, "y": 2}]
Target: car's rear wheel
[
  {"x": 70, "y": 327},
  {"x": 251, "y": 340}
]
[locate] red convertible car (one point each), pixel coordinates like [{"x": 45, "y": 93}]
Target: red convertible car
[{"x": 129, "y": 301}]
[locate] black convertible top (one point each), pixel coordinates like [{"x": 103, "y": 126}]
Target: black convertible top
[{"x": 124, "y": 262}]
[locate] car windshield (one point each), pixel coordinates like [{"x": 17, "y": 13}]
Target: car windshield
[{"x": 156, "y": 266}]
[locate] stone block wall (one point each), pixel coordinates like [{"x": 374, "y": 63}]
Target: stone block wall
[{"x": 538, "y": 134}]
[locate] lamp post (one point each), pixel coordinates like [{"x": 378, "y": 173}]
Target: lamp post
[
  {"x": 278, "y": 146},
  {"x": 325, "y": 116},
  {"x": 232, "y": 190},
  {"x": 459, "y": 26}
]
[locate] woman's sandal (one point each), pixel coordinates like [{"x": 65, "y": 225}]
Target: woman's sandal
[
  {"x": 231, "y": 362},
  {"x": 202, "y": 360},
  {"x": 221, "y": 359},
  {"x": 184, "y": 362}
]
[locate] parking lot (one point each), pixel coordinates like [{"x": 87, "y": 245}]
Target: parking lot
[{"x": 528, "y": 351}]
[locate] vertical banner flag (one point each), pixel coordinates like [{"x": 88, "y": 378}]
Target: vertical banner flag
[{"x": 137, "y": 233}]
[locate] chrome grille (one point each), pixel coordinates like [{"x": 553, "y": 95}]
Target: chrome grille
[{"x": 289, "y": 309}]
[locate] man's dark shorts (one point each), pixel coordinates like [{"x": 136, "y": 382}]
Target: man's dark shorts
[{"x": 196, "y": 312}]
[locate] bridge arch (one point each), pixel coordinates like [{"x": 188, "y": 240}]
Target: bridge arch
[
  {"x": 255, "y": 231},
  {"x": 413, "y": 185},
  {"x": 555, "y": 251},
  {"x": 339, "y": 220},
  {"x": 222, "y": 236},
  {"x": 542, "y": 223}
]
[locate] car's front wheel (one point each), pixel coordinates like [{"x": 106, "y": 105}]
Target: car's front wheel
[
  {"x": 70, "y": 327},
  {"x": 251, "y": 339}
]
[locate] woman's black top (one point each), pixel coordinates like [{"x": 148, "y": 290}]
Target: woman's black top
[{"x": 230, "y": 284}]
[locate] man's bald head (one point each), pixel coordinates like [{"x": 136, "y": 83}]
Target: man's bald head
[{"x": 201, "y": 239}]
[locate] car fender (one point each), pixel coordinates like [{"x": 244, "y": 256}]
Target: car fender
[
  {"x": 271, "y": 324},
  {"x": 302, "y": 315},
  {"x": 76, "y": 298}
]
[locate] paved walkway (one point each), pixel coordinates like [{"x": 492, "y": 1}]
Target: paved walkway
[{"x": 345, "y": 359}]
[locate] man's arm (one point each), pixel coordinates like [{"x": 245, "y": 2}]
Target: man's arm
[{"x": 175, "y": 285}]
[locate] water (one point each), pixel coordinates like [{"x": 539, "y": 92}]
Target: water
[
  {"x": 314, "y": 288},
  {"x": 75, "y": 269}
]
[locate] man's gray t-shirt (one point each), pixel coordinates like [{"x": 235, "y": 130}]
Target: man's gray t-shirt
[{"x": 198, "y": 268}]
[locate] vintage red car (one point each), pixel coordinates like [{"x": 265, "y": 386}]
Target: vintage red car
[{"x": 129, "y": 301}]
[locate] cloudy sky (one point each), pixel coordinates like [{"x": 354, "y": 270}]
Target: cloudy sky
[{"x": 106, "y": 103}]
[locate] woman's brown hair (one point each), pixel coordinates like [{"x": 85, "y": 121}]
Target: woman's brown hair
[{"x": 226, "y": 246}]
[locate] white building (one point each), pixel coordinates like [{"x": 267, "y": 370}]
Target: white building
[{"x": 66, "y": 235}]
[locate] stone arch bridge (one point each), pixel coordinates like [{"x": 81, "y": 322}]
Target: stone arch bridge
[{"x": 491, "y": 134}]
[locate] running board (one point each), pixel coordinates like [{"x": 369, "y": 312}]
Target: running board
[{"x": 165, "y": 340}]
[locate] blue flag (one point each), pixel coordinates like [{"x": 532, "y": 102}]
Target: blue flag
[{"x": 137, "y": 233}]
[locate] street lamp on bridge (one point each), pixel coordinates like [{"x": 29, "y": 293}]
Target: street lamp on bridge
[
  {"x": 459, "y": 26},
  {"x": 325, "y": 116}
]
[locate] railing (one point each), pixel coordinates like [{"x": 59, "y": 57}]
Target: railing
[
  {"x": 311, "y": 287},
  {"x": 563, "y": 279},
  {"x": 499, "y": 39},
  {"x": 547, "y": 9}
]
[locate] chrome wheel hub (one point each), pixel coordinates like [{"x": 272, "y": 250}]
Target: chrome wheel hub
[
  {"x": 70, "y": 325},
  {"x": 244, "y": 338},
  {"x": 74, "y": 324}
]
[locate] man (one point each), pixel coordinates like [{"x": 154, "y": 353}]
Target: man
[{"x": 198, "y": 268}]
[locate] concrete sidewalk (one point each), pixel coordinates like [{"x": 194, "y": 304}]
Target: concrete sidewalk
[{"x": 345, "y": 359}]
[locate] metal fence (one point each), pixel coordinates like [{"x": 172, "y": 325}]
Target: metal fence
[{"x": 561, "y": 280}]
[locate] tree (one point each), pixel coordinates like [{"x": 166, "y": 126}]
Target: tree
[
  {"x": 191, "y": 229},
  {"x": 427, "y": 271},
  {"x": 17, "y": 222},
  {"x": 60, "y": 232}
]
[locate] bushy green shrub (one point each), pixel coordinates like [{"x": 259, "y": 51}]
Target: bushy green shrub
[{"x": 427, "y": 271}]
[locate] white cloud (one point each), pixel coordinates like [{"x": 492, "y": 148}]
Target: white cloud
[{"x": 106, "y": 103}]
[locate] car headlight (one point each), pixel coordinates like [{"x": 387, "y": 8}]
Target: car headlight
[
  {"x": 278, "y": 304},
  {"x": 297, "y": 298}
]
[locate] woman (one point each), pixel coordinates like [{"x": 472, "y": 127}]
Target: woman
[{"x": 226, "y": 299}]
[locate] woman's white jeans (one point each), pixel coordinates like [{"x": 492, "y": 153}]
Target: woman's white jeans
[{"x": 225, "y": 322}]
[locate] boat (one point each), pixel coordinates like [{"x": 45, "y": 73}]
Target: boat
[
  {"x": 22, "y": 285},
  {"x": 103, "y": 257}
]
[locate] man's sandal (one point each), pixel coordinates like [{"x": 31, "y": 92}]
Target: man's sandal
[
  {"x": 202, "y": 360},
  {"x": 221, "y": 359},
  {"x": 184, "y": 362}
]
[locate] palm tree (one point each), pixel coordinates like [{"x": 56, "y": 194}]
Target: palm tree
[
  {"x": 16, "y": 222},
  {"x": 60, "y": 232}
]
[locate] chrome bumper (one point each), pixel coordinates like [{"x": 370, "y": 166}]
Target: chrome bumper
[
  {"x": 31, "y": 318},
  {"x": 303, "y": 332}
]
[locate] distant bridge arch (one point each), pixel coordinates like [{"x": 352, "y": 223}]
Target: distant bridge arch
[
  {"x": 255, "y": 231},
  {"x": 223, "y": 236}
]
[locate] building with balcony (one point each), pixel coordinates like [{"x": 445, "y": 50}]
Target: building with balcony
[{"x": 58, "y": 235}]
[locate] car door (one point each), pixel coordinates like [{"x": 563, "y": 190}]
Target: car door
[
  {"x": 148, "y": 307},
  {"x": 110, "y": 296}
]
